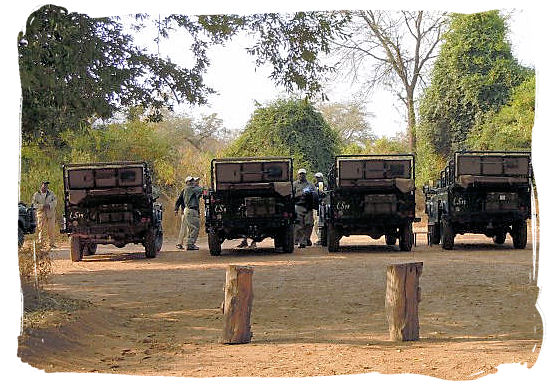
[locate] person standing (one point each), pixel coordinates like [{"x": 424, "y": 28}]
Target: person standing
[
  {"x": 45, "y": 202},
  {"x": 180, "y": 204},
  {"x": 320, "y": 189},
  {"x": 303, "y": 194},
  {"x": 191, "y": 195}
]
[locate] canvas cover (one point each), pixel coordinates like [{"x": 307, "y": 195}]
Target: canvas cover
[
  {"x": 489, "y": 165},
  {"x": 376, "y": 173},
  {"x": 367, "y": 169},
  {"x": 493, "y": 168},
  {"x": 97, "y": 178},
  {"x": 237, "y": 175}
]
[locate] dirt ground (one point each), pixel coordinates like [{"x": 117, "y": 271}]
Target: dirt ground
[{"x": 314, "y": 313}]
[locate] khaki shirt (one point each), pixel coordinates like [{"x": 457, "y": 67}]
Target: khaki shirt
[{"x": 40, "y": 199}]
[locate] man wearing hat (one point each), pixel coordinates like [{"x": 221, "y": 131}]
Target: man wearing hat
[
  {"x": 190, "y": 223},
  {"x": 303, "y": 194},
  {"x": 45, "y": 202},
  {"x": 320, "y": 188}
]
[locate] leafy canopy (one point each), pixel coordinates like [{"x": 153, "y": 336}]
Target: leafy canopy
[
  {"x": 474, "y": 74},
  {"x": 75, "y": 69},
  {"x": 289, "y": 128}
]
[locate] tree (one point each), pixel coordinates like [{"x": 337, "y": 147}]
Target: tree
[
  {"x": 399, "y": 45},
  {"x": 349, "y": 120},
  {"x": 75, "y": 69},
  {"x": 474, "y": 74},
  {"x": 289, "y": 128},
  {"x": 511, "y": 127}
]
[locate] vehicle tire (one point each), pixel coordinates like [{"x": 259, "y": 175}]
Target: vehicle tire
[
  {"x": 499, "y": 238},
  {"x": 391, "y": 239},
  {"x": 158, "y": 241},
  {"x": 435, "y": 233},
  {"x": 150, "y": 244},
  {"x": 406, "y": 237},
  {"x": 333, "y": 239},
  {"x": 323, "y": 236},
  {"x": 519, "y": 234},
  {"x": 92, "y": 248},
  {"x": 20, "y": 237},
  {"x": 75, "y": 248},
  {"x": 288, "y": 240},
  {"x": 214, "y": 244},
  {"x": 447, "y": 235}
]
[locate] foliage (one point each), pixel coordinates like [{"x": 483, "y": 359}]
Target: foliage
[
  {"x": 349, "y": 120},
  {"x": 473, "y": 75},
  {"x": 293, "y": 43},
  {"x": 511, "y": 127},
  {"x": 34, "y": 270},
  {"x": 377, "y": 145},
  {"x": 289, "y": 128},
  {"x": 166, "y": 146},
  {"x": 76, "y": 69},
  {"x": 398, "y": 46}
]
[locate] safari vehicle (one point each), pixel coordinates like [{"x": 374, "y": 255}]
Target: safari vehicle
[
  {"x": 253, "y": 198},
  {"x": 110, "y": 203},
  {"x": 26, "y": 222},
  {"x": 481, "y": 192},
  {"x": 371, "y": 195}
]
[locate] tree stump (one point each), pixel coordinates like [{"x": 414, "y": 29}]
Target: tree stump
[
  {"x": 237, "y": 305},
  {"x": 402, "y": 298}
]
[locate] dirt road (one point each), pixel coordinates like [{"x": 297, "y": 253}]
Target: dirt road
[{"x": 314, "y": 313}]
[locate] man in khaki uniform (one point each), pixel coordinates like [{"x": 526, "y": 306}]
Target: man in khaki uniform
[
  {"x": 303, "y": 194},
  {"x": 45, "y": 202},
  {"x": 183, "y": 226},
  {"x": 189, "y": 200}
]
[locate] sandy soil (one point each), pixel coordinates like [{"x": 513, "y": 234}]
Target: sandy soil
[{"x": 314, "y": 313}]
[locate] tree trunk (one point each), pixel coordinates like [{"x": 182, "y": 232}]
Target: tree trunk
[
  {"x": 237, "y": 305},
  {"x": 411, "y": 122},
  {"x": 402, "y": 298}
]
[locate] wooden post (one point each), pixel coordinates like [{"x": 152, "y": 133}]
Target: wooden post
[
  {"x": 402, "y": 298},
  {"x": 237, "y": 305}
]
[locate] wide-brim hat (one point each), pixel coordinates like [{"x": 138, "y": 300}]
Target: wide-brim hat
[
  {"x": 318, "y": 174},
  {"x": 301, "y": 170},
  {"x": 189, "y": 178}
]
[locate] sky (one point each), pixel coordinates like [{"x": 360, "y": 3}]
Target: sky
[
  {"x": 529, "y": 41},
  {"x": 239, "y": 83}
]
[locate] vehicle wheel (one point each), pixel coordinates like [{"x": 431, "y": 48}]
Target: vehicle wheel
[
  {"x": 158, "y": 241},
  {"x": 406, "y": 237},
  {"x": 323, "y": 236},
  {"x": 92, "y": 248},
  {"x": 499, "y": 238},
  {"x": 20, "y": 237},
  {"x": 150, "y": 244},
  {"x": 288, "y": 240},
  {"x": 519, "y": 234},
  {"x": 75, "y": 247},
  {"x": 391, "y": 239},
  {"x": 447, "y": 235},
  {"x": 214, "y": 244},
  {"x": 435, "y": 233},
  {"x": 333, "y": 239}
]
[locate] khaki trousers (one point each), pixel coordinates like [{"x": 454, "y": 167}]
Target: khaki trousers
[
  {"x": 193, "y": 222},
  {"x": 183, "y": 230},
  {"x": 304, "y": 224},
  {"x": 46, "y": 228}
]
